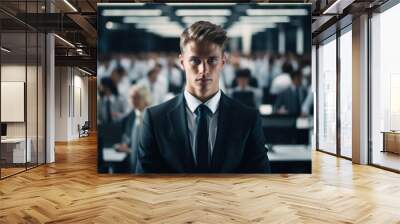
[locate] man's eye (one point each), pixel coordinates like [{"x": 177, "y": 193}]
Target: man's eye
[
  {"x": 212, "y": 61},
  {"x": 195, "y": 61}
]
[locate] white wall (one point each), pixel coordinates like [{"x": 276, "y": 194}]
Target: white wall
[
  {"x": 71, "y": 87},
  {"x": 61, "y": 103},
  {"x": 33, "y": 125}
]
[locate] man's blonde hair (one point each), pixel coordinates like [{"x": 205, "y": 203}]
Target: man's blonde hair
[{"x": 203, "y": 31}]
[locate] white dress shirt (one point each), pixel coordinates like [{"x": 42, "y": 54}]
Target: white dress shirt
[
  {"x": 157, "y": 90},
  {"x": 117, "y": 104},
  {"x": 212, "y": 119}
]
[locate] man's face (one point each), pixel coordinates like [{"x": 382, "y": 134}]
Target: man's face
[
  {"x": 153, "y": 77},
  {"x": 243, "y": 82},
  {"x": 296, "y": 80},
  {"x": 202, "y": 63},
  {"x": 138, "y": 101}
]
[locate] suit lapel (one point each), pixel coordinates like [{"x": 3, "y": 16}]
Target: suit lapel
[
  {"x": 179, "y": 133},
  {"x": 224, "y": 128}
]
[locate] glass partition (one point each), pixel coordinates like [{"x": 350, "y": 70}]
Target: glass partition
[
  {"x": 327, "y": 95},
  {"x": 346, "y": 92},
  {"x": 31, "y": 97},
  {"x": 22, "y": 87},
  {"x": 14, "y": 151},
  {"x": 385, "y": 89}
]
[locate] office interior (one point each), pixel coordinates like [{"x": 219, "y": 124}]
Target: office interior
[{"x": 49, "y": 81}]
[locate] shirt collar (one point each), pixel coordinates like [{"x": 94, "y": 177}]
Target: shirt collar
[{"x": 192, "y": 102}]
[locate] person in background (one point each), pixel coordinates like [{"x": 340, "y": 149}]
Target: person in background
[
  {"x": 157, "y": 90},
  {"x": 140, "y": 99},
  {"x": 245, "y": 93},
  {"x": 282, "y": 81},
  {"x": 290, "y": 101},
  {"x": 121, "y": 81},
  {"x": 261, "y": 72},
  {"x": 175, "y": 76},
  {"x": 111, "y": 107}
]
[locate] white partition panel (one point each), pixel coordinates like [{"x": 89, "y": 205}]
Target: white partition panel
[{"x": 12, "y": 101}]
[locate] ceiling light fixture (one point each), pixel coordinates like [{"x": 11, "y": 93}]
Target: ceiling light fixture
[
  {"x": 277, "y": 12},
  {"x": 84, "y": 71},
  {"x": 200, "y": 4},
  {"x": 122, "y": 4},
  {"x": 64, "y": 40},
  {"x": 212, "y": 19},
  {"x": 131, "y": 12},
  {"x": 5, "y": 50},
  {"x": 265, "y": 19},
  {"x": 70, "y": 5},
  {"x": 334, "y": 8},
  {"x": 134, "y": 19},
  {"x": 203, "y": 12}
]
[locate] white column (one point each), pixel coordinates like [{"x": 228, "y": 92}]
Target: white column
[
  {"x": 360, "y": 90},
  {"x": 50, "y": 92},
  {"x": 50, "y": 101},
  {"x": 314, "y": 90},
  {"x": 281, "y": 41},
  {"x": 234, "y": 44},
  {"x": 63, "y": 102},
  {"x": 299, "y": 40},
  {"x": 246, "y": 40}
]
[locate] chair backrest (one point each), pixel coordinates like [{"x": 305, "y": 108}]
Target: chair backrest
[
  {"x": 86, "y": 124},
  {"x": 245, "y": 97}
]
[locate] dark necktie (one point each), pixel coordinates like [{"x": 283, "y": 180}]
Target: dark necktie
[
  {"x": 108, "y": 111},
  {"x": 298, "y": 101},
  {"x": 202, "y": 153}
]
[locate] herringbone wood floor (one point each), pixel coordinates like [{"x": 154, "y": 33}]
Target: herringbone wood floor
[{"x": 71, "y": 191}]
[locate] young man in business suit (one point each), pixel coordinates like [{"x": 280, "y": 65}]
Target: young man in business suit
[{"x": 202, "y": 130}]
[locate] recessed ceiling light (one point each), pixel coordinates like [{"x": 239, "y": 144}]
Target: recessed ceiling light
[
  {"x": 150, "y": 19},
  {"x": 131, "y": 12},
  {"x": 212, "y": 19},
  {"x": 265, "y": 19},
  {"x": 277, "y": 12},
  {"x": 200, "y": 4},
  {"x": 122, "y": 4},
  {"x": 203, "y": 12}
]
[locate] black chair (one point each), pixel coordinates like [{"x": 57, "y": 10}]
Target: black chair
[
  {"x": 281, "y": 129},
  {"x": 110, "y": 134},
  {"x": 245, "y": 97},
  {"x": 84, "y": 130}
]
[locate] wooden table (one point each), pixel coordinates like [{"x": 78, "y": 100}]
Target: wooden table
[
  {"x": 13, "y": 150},
  {"x": 391, "y": 141}
]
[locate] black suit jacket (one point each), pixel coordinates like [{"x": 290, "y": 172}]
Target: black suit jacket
[
  {"x": 127, "y": 124},
  {"x": 288, "y": 99},
  {"x": 165, "y": 146}
]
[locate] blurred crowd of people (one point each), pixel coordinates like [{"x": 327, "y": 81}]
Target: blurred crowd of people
[
  {"x": 127, "y": 84},
  {"x": 280, "y": 80}
]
